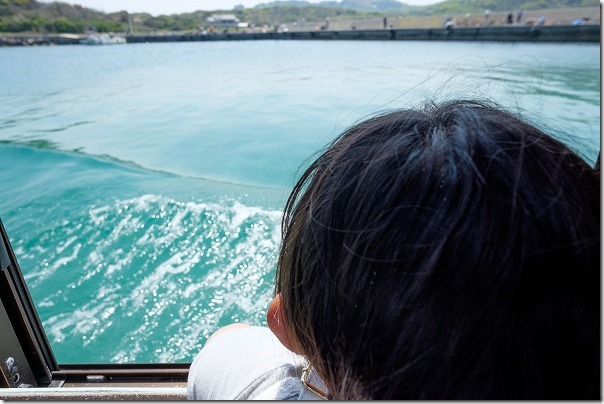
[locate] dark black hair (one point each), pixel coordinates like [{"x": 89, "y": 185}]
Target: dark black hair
[{"x": 449, "y": 252}]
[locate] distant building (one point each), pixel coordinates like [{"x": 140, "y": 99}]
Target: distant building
[{"x": 223, "y": 20}]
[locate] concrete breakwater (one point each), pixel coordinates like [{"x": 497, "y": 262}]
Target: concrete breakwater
[
  {"x": 581, "y": 33},
  {"x": 34, "y": 40},
  {"x": 564, "y": 33}
]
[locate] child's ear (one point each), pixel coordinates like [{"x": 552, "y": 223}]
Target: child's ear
[{"x": 276, "y": 323}]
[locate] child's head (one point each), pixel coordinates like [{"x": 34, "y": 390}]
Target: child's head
[{"x": 450, "y": 252}]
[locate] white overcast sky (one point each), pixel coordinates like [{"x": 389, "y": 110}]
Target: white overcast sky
[{"x": 156, "y": 7}]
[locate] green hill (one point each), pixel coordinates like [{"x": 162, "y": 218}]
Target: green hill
[
  {"x": 57, "y": 17},
  {"x": 32, "y": 16},
  {"x": 472, "y": 6}
]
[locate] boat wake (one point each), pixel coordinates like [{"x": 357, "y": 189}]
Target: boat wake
[{"x": 148, "y": 279}]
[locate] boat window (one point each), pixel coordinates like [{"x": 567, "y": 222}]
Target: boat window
[{"x": 143, "y": 184}]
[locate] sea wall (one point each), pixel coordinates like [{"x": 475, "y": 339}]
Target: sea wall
[
  {"x": 34, "y": 40},
  {"x": 581, "y": 33},
  {"x": 562, "y": 33}
]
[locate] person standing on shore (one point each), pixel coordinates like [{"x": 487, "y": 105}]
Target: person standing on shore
[
  {"x": 510, "y": 19},
  {"x": 487, "y": 13},
  {"x": 519, "y": 16}
]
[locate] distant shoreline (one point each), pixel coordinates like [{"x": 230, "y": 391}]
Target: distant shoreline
[{"x": 539, "y": 34}]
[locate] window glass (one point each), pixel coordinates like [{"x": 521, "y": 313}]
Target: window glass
[{"x": 143, "y": 184}]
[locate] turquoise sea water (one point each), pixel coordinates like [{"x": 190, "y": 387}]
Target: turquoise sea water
[{"x": 142, "y": 185}]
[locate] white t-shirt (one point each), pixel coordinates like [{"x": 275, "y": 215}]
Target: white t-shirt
[{"x": 247, "y": 364}]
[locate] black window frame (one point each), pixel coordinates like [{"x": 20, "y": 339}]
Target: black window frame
[{"x": 27, "y": 357}]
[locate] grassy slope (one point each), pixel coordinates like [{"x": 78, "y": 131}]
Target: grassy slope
[{"x": 33, "y": 16}]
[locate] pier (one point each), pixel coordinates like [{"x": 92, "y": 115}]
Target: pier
[
  {"x": 552, "y": 34},
  {"x": 581, "y": 33}
]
